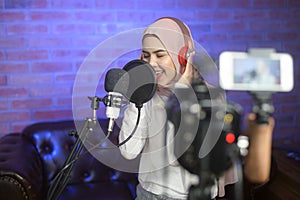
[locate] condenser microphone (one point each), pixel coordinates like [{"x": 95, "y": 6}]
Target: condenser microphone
[
  {"x": 116, "y": 84},
  {"x": 142, "y": 82},
  {"x": 136, "y": 82}
]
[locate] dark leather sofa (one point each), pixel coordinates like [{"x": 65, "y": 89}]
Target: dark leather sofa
[{"x": 30, "y": 160}]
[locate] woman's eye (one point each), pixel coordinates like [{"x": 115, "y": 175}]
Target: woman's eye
[
  {"x": 146, "y": 55},
  {"x": 160, "y": 55}
]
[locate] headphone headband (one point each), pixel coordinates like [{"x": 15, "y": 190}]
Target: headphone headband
[{"x": 184, "y": 52}]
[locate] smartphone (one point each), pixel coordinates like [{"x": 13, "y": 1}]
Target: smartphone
[{"x": 254, "y": 72}]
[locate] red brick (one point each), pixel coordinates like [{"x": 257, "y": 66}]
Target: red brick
[
  {"x": 52, "y": 114},
  {"x": 280, "y": 98},
  {"x": 284, "y": 118},
  {"x": 179, "y": 13},
  {"x": 265, "y": 25},
  {"x": 14, "y": 67},
  {"x": 19, "y": 127},
  {"x": 298, "y": 119},
  {"x": 50, "y": 90},
  {"x": 212, "y": 37},
  {"x": 284, "y": 14},
  {"x": 194, "y": 4},
  {"x": 231, "y": 3},
  {"x": 3, "y": 80},
  {"x": 292, "y": 25},
  {"x": 64, "y": 101},
  {"x": 4, "y": 104},
  {"x": 16, "y": 29},
  {"x": 95, "y": 16},
  {"x": 1, "y": 56},
  {"x": 118, "y": 4},
  {"x": 2, "y": 30},
  {"x": 286, "y": 130},
  {"x": 294, "y": 3},
  {"x": 27, "y": 54},
  {"x": 87, "y": 78},
  {"x": 269, "y": 3},
  {"x": 49, "y": 41},
  {"x": 110, "y": 29},
  {"x": 290, "y": 36},
  {"x": 14, "y": 116},
  {"x": 70, "y": 54},
  {"x": 291, "y": 108},
  {"x": 154, "y": 4},
  {"x": 246, "y": 36},
  {"x": 72, "y": 4},
  {"x": 8, "y": 42},
  {"x": 25, "y": 79},
  {"x": 125, "y": 16},
  {"x": 74, "y": 28},
  {"x": 81, "y": 100},
  {"x": 91, "y": 41},
  {"x": 292, "y": 47},
  {"x": 83, "y": 112},
  {"x": 200, "y": 28},
  {"x": 12, "y": 16},
  {"x": 65, "y": 78},
  {"x": 4, "y": 129},
  {"x": 26, "y": 4},
  {"x": 13, "y": 92},
  {"x": 31, "y": 103},
  {"x": 51, "y": 66},
  {"x": 264, "y": 44},
  {"x": 229, "y": 26},
  {"x": 213, "y": 15},
  {"x": 83, "y": 90},
  {"x": 250, "y": 14},
  {"x": 50, "y": 16}
]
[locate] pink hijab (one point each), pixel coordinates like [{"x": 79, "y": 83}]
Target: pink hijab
[{"x": 171, "y": 35}]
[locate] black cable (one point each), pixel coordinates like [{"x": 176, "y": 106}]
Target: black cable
[{"x": 135, "y": 128}]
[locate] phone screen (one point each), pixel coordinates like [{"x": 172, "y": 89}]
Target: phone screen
[{"x": 257, "y": 71}]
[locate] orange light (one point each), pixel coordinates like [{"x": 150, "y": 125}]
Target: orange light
[{"x": 230, "y": 138}]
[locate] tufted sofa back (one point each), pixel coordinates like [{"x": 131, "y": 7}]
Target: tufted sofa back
[
  {"x": 54, "y": 144},
  {"x": 50, "y": 144}
]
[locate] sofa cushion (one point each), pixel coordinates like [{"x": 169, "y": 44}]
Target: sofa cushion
[{"x": 21, "y": 171}]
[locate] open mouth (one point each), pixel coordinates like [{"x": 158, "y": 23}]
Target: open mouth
[{"x": 158, "y": 74}]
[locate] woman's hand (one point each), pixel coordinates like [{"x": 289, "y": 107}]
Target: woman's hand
[
  {"x": 258, "y": 160},
  {"x": 189, "y": 73}
]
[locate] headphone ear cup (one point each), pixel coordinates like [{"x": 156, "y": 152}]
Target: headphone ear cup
[{"x": 182, "y": 58}]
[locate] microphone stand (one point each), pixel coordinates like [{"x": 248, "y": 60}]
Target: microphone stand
[{"x": 63, "y": 178}]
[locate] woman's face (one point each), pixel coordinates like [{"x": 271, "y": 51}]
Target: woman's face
[{"x": 157, "y": 56}]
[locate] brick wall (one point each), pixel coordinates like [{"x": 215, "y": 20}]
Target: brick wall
[{"x": 44, "y": 42}]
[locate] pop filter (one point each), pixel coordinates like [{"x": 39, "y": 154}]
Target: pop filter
[
  {"x": 142, "y": 82},
  {"x": 116, "y": 80}
]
